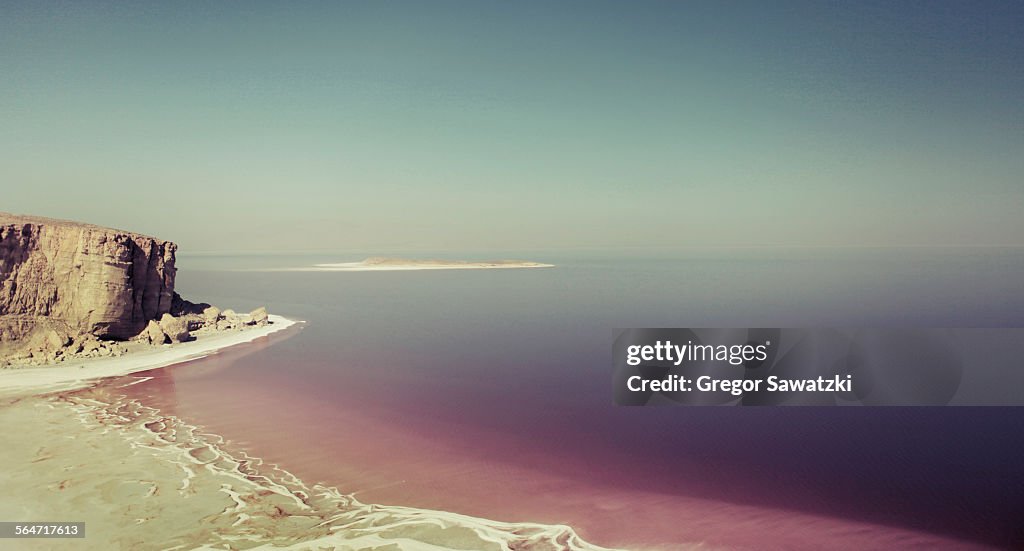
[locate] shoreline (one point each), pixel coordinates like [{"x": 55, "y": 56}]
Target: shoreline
[
  {"x": 176, "y": 486},
  {"x": 141, "y": 479},
  {"x": 73, "y": 375}
]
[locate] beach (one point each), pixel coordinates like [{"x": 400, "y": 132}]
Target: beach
[
  {"x": 141, "y": 480},
  {"x": 80, "y": 372}
]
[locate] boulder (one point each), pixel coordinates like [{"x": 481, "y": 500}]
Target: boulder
[
  {"x": 116, "y": 348},
  {"x": 91, "y": 345},
  {"x": 153, "y": 334},
  {"x": 56, "y": 340},
  {"x": 228, "y": 320},
  {"x": 211, "y": 315},
  {"x": 176, "y": 329},
  {"x": 258, "y": 316}
]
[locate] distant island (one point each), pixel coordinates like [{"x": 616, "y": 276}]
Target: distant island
[{"x": 377, "y": 263}]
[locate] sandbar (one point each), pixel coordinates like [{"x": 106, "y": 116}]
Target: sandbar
[{"x": 379, "y": 264}]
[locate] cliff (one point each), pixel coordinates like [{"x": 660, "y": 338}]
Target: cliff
[{"x": 80, "y": 279}]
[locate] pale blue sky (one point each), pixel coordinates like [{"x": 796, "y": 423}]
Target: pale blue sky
[{"x": 516, "y": 125}]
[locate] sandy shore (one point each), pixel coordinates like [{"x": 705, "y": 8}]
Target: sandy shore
[
  {"x": 143, "y": 480},
  {"x": 79, "y": 373}
]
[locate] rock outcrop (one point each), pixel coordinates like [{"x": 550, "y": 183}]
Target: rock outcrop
[
  {"x": 71, "y": 290},
  {"x": 70, "y": 278},
  {"x": 211, "y": 315}
]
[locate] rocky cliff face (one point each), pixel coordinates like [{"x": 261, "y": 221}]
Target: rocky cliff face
[{"x": 80, "y": 278}]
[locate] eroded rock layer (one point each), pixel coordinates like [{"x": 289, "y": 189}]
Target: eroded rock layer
[{"x": 79, "y": 278}]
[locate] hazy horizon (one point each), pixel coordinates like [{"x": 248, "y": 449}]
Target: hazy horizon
[{"x": 529, "y": 125}]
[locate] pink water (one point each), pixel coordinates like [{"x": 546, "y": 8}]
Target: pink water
[
  {"x": 489, "y": 393},
  {"x": 399, "y": 456}
]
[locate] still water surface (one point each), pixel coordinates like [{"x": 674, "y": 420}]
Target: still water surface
[{"x": 488, "y": 392}]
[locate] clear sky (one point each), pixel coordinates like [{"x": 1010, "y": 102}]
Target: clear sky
[{"x": 515, "y": 125}]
